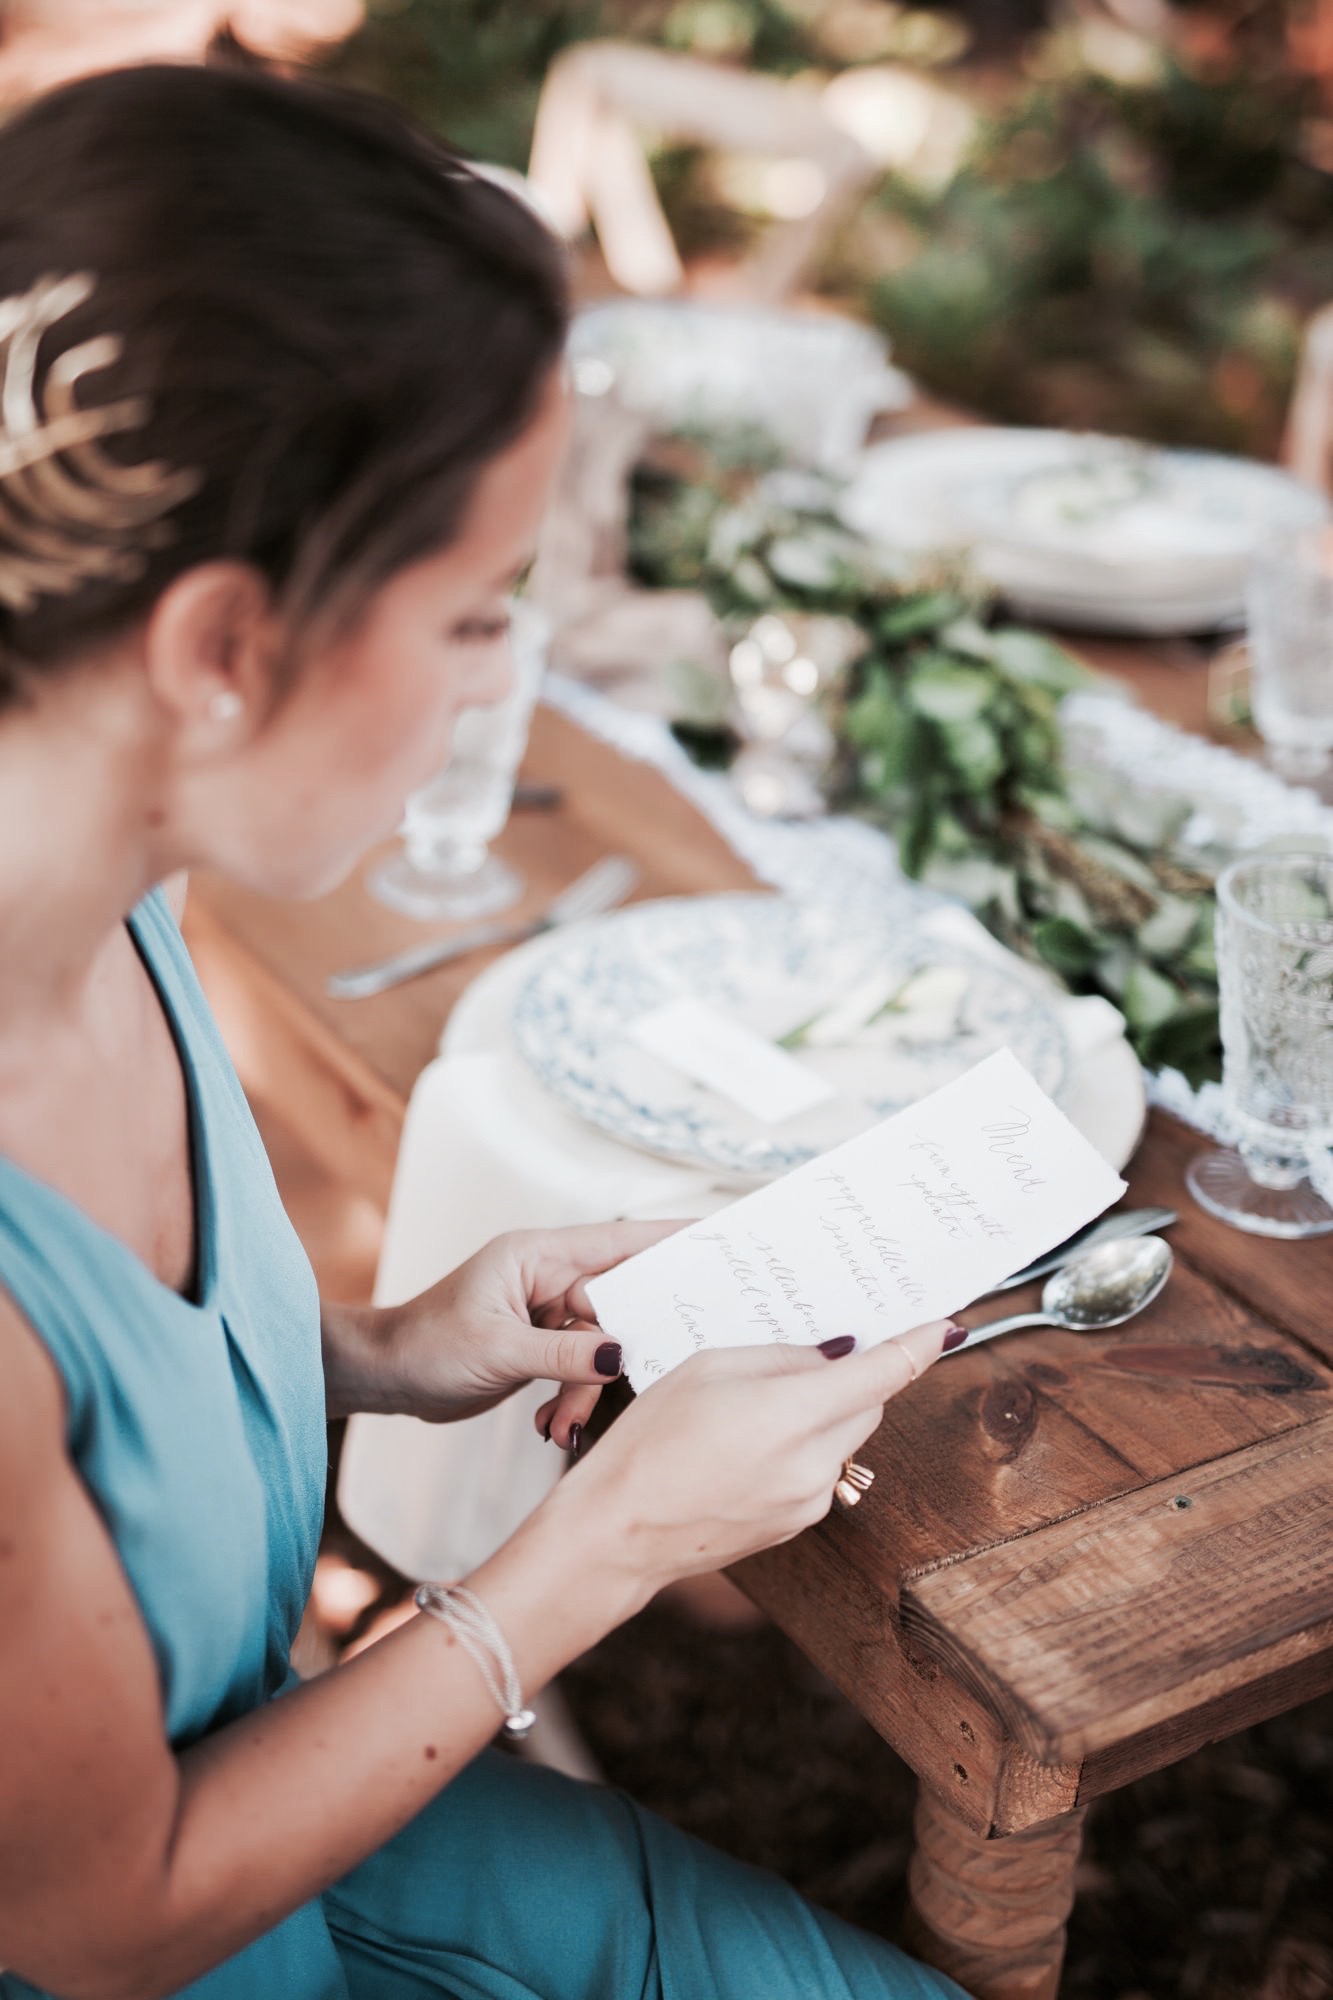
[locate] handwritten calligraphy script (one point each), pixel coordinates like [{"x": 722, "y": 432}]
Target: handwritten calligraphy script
[{"x": 908, "y": 1222}]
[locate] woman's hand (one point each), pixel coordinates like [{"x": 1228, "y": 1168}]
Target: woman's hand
[
  {"x": 514, "y": 1313},
  {"x": 734, "y": 1451}
]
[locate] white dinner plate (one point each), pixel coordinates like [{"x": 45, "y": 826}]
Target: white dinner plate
[
  {"x": 1101, "y": 533},
  {"x": 1103, "y": 1094},
  {"x": 769, "y": 964}
]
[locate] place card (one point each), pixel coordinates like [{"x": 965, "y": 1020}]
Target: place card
[
  {"x": 727, "y": 1058},
  {"x": 908, "y": 1222}
]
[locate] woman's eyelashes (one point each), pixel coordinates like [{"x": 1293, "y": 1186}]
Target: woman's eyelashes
[{"x": 479, "y": 631}]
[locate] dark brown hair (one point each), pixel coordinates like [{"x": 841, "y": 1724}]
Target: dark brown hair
[{"x": 336, "y": 323}]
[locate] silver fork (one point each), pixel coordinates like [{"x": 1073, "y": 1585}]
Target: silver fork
[{"x": 605, "y": 884}]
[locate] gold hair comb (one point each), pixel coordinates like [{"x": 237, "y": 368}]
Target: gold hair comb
[{"x": 69, "y": 515}]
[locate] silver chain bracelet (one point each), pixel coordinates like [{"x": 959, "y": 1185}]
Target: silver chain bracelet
[{"x": 463, "y": 1612}]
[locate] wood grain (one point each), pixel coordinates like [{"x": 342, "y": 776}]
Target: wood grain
[
  {"x": 1004, "y": 1439},
  {"x": 992, "y": 1914},
  {"x": 1118, "y": 1621},
  {"x": 948, "y": 1734},
  {"x": 993, "y": 1448}
]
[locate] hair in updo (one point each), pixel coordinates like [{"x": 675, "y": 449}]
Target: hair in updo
[{"x": 335, "y": 323}]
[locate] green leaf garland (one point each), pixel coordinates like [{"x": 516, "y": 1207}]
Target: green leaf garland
[{"x": 947, "y": 733}]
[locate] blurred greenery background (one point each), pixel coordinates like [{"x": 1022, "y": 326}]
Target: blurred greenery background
[{"x": 1131, "y": 242}]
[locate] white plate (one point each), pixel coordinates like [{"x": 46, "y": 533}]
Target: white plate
[
  {"x": 1098, "y": 532},
  {"x": 1103, "y": 1096},
  {"x": 769, "y": 964}
]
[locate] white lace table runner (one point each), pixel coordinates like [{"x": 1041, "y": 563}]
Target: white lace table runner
[{"x": 843, "y": 860}]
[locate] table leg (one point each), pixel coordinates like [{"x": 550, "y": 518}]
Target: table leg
[{"x": 991, "y": 1913}]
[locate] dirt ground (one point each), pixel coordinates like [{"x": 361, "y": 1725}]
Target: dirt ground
[{"x": 1210, "y": 1881}]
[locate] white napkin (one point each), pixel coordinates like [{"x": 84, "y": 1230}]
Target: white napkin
[
  {"x": 485, "y": 1149},
  {"x": 1089, "y": 1022}
]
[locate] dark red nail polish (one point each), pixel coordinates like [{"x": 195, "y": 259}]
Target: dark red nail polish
[
  {"x": 954, "y": 1337},
  {"x": 608, "y": 1359},
  {"x": 575, "y": 1439},
  {"x": 841, "y": 1344}
]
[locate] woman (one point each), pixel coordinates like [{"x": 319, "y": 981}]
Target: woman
[
  {"x": 45, "y": 42},
  {"x": 280, "y": 402}
]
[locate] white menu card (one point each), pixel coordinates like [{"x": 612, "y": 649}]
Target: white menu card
[{"x": 905, "y": 1223}]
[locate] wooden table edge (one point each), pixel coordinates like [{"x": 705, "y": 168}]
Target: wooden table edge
[{"x": 1078, "y": 1556}]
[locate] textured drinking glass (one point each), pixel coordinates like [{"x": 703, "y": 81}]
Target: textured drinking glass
[
  {"x": 1289, "y": 597},
  {"x": 1275, "y": 968},
  {"x": 446, "y": 869}
]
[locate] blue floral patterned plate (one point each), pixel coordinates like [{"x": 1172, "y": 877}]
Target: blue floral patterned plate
[{"x": 774, "y": 966}]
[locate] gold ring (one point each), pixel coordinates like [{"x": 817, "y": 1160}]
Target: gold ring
[
  {"x": 913, "y": 1372},
  {"x": 854, "y": 1482}
]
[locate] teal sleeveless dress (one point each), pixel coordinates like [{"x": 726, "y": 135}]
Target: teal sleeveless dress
[{"x": 197, "y": 1427}]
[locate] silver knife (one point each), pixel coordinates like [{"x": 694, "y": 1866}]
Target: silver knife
[
  {"x": 606, "y": 883},
  {"x": 1124, "y": 1222}
]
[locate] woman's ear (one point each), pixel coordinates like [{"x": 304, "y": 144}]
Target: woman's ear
[{"x": 212, "y": 646}]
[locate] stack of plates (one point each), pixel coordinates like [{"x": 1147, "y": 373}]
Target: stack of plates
[
  {"x": 1101, "y": 534},
  {"x": 810, "y": 381}
]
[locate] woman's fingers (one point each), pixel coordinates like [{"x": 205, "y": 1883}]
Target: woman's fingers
[
  {"x": 872, "y": 1376},
  {"x": 557, "y": 1261},
  {"x": 846, "y": 1397},
  {"x": 563, "y": 1418},
  {"x": 844, "y": 1378},
  {"x": 862, "y": 1392},
  {"x": 575, "y": 1351},
  {"x": 582, "y": 1360}
]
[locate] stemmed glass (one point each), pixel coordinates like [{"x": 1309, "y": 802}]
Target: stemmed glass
[
  {"x": 446, "y": 869},
  {"x": 1289, "y": 596},
  {"x": 1275, "y": 970}
]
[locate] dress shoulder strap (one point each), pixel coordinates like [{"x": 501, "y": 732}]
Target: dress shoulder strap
[
  {"x": 52, "y": 1274},
  {"x": 81, "y": 1291},
  {"x": 164, "y": 948}
]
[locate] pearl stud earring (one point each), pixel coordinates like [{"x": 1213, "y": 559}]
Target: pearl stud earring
[{"x": 225, "y": 705}]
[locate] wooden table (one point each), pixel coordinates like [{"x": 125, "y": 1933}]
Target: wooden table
[{"x": 1082, "y": 1558}]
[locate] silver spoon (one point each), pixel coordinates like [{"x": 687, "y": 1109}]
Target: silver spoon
[
  {"x": 1103, "y": 1287},
  {"x": 1121, "y": 1222}
]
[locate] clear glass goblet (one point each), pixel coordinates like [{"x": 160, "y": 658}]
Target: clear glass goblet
[
  {"x": 1275, "y": 969},
  {"x": 1289, "y": 598},
  {"x": 446, "y": 870}
]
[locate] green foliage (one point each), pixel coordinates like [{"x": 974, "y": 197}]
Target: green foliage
[
  {"x": 948, "y": 737},
  {"x": 472, "y": 69},
  {"x": 1126, "y": 258}
]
